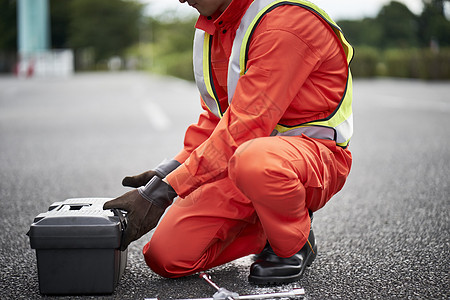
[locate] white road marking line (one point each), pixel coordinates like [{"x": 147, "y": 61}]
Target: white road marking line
[{"x": 155, "y": 114}]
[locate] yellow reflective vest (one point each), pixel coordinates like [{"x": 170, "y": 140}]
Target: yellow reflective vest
[{"x": 338, "y": 126}]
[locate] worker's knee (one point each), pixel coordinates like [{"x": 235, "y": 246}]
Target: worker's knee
[
  {"x": 258, "y": 166},
  {"x": 162, "y": 261},
  {"x": 155, "y": 260},
  {"x": 244, "y": 164}
]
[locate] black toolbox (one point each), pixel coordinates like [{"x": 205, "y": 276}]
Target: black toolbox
[{"x": 78, "y": 247}]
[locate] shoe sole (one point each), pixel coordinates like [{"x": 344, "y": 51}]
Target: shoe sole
[{"x": 285, "y": 279}]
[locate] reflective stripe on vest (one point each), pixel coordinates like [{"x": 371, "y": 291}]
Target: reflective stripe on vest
[
  {"x": 338, "y": 126},
  {"x": 203, "y": 72}
]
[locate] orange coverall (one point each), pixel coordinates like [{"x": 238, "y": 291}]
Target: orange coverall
[{"x": 238, "y": 186}]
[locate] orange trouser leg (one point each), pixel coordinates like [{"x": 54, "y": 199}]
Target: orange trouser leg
[
  {"x": 213, "y": 225},
  {"x": 285, "y": 177},
  {"x": 272, "y": 184}
]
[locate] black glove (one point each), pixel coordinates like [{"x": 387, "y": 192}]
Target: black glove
[
  {"x": 162, "y": 170},
  {"x": 146, "y": 205},
  {"x": 142, "y": 215}
]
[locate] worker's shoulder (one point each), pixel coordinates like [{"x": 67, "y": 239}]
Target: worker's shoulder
[
  {"x": 295, "y": 24},
  {"x": 298, "y": 20}
]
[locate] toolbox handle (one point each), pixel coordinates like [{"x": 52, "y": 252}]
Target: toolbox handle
[{"x": 122, "y": 218}]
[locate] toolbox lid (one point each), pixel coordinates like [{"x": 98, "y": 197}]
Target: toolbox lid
[{"x": 77, "y": 223}]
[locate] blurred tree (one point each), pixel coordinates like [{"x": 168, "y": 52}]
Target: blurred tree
[
  {"x": 59, "y": 20},
  {"x": 106, "y": 26},
  {"x": 8, "y": 25},
  {"x": 8, "y": 35},
  {"x": 176, "y": 34},
  {"x": 171, "y": 42},
  {"x": 399, "y": 26},
  {"x": 365, "y": 32},
  {"x": 434, "y": 26},
  {"x": 437, "y": 4}
]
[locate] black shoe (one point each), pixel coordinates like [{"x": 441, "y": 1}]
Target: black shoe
[{"x": 272, "y": 269}]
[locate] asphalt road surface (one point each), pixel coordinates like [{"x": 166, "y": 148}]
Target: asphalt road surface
[{"x": 384, "y": 236}]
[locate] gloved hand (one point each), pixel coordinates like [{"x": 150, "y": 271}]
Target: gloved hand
[
  {"x": 142, "y": 215},
  {"x": 146, "y": 205}
]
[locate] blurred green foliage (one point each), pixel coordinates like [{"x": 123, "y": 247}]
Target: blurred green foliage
[
  {"x": 8, "y": 35},
  {"x": 396, "y": 26},
  {"x": 420, "y": 63},
  {"x": 365, "y": 62},
  {"x": 8, "y": 28},
  {"x": 398, "y": 43},
  {"x": 166, "y": 47},
  {"x": 107, "y": 26}
]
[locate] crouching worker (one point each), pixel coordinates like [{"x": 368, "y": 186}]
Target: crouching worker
[{"x": 269, "y": 149}]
